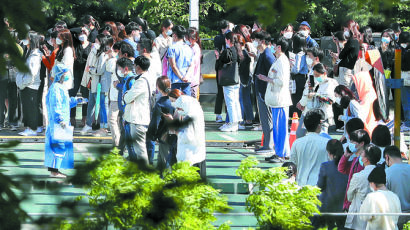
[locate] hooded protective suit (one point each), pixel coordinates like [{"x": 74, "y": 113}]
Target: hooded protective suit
[
  {"x": 191, "y": 140},
  {"x": 58, "y": 154}
]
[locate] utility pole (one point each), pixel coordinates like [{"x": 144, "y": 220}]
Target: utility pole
[
  {"x": 194, "y": 13},
  {"x": 397, "y": 98}
]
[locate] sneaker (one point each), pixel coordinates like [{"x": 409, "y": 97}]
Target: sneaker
[
  {"x": 39, "y": 129},
  {"x": 13, "y": 128},
  {"x": 86, "y": 129},
  {"x": 241, "y": 127},
  {"x": 28, "y": 132},
  {"x": 404, "y": 128},
  {"x": 223, "y": 126},
  {"x": 101, "y": 133},
  {"x": 341, "y": 130},
  {"x": 230, "y": 128},
  {"x": 263, "y": 151},
  {"x": 273, "y": 159},
  {"x": 257, "y": 128},
  {"x": 219, "y": 118}
]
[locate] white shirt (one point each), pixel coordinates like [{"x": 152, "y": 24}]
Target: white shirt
[
  {"x": 154, "y": 70},
  {"x": 136, "y": 101},
  {"x": 308, "y": 153},
  {"x": 277, "y": 93},
  {"x": 162, "y": 44},
  {"x": 327, "y": 90},
  {"x": 111, "y": 66},
  {"x": 68, "y": 61},
  {"x": 358, "y": 189},
  {"x": 381, "y": 201}
]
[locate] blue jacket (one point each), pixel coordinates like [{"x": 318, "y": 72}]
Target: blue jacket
[
  {"x": 333, "y": 185},
  {"x": 262, "y": 67},
  {"x": 310, "y": 42},
  {"x": 122, "y": 88},
  {"x": 158, "y": 126}
]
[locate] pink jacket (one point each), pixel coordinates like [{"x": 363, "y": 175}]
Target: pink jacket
[{"x": 349, "y": 168}]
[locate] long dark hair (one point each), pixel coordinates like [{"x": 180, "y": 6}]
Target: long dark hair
[
  {"x": 344, "y": 91},
  {"x": 335, "y": 148},
  {"x": 89, "y": 19},
  {"x": 104, "y": 43},
  {"x": 235, "y": 40},
  {"x": 299, "y": 43},
  {"x": 194, "y": 35},
  {"x": 34, "y": 41},
  {"x": 67, "y": 39}
]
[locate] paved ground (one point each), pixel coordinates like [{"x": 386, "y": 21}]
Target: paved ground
[{"x": 224, "y": 154}]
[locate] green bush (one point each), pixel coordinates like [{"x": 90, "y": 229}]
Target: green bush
[
  {"x": 277, "y": 204},
  {"x": 126, "y": 195}
]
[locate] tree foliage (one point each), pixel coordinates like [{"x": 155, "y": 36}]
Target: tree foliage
[
  {"x": 278, "y": 204},
  {"x": 126, "y": 195}
]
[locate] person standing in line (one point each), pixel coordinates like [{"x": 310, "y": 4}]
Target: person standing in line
[
  {"x": 191, "y": 139},
  {"x": 29, "y": 83},
  {"x": 219, "y": 45},
  {"x": 359, "y": 186},
  {"x": 59, "y": 153},
  {"x": 333, "y": 185},
  {"x": 66, "y": 54},
  {"x": 397, "y": 178},
  {"x": 227, "y": 65},
  {"x": 180, "y": 59},
  {"x": 92, "y": 26},
  {"x": 304, "y": 29},
  {"x": 278, "y": 99},
  {"x": 194, "y": 71},
  {"x": 380, "y": 200},
  {"x": 137, "y": 110},
  {"x": 163, "y": 42},
  {"x": 113, "y": 110},
  {"x": 263, "y": 66},
  {"x": 309, "y": 152},
  {"x": 133, "y": 36}
]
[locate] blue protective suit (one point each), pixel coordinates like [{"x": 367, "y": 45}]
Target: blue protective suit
[{"x": 58, "y": 154}]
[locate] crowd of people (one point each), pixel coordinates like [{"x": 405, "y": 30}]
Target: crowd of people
[{"x": 145, "y": 89}]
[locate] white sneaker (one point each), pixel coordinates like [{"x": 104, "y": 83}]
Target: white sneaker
[
  {"x": 230, "y": 128},
  {"x": 223, "y": 126},
  {"x": 39, "y": 129},
  {"x": 86, "y": 129},
  {"x": 404, "y": 128},
  {"x": 257, "y": 128},
  {"x": 31, "y": 132},
  {"x": 23, "y": 133},
  {"x": 241, "y": 127},
  {"x": 219, "y": 118}
]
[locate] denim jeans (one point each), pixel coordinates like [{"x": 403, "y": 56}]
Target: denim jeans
[
  {"x": 91, "y": 109},
  {"x": 246, "y": 102},
  {"x": 231, "y": 95},
  {"x": 405, "y": 101},
  {"x": 184, "y": 87}
]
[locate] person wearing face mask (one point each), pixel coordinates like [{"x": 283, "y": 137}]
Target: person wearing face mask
[
  {"x": 96, "y": 76},
  {"x": 194, "y": 71},
  {"x": 66, "y": 54},
  {"x": 397, "y": 31},
  {"x": 82, "y": 49},
  {"x": 299, "y": 70},
  {"x": 287, "y": 33},
  {"x": 346, "y": 56},
  {"x": 379, "y": 201},
  {"x": 113, "y": 111},
  {"x": 58, "y": 152},
  {"x": 304, "y": 29},
  {"x": 404, "y": 41},
  {"x": 397, "y": 178},
  {"x": 92, "y": 26},
  {"x": 179, "y": 60},
  {"x": 386, "y": 50},
  {"x": 137, "y": 101},
  {"x": 191, "y": 139},
  {"x": 164, "y": 40},
  {"x": 277, "y": 100},
  {"x": 359, "y": 186},
  {"x": 324, "y": 96},
  {"x": 350, "y": 162},
  {"x": 313, "y": 56},
  {"x": 29, "y": 84},
  {"x": 133, "y": 31},
  {"x": 348, "y": 102}
]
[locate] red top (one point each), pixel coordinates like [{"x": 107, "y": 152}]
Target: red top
[
  {"x": 49, "y": 61},
  {"x": 349, "y": 168}
]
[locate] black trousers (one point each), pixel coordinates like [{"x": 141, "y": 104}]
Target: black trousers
[
  {"x": 84, "y": 93},
  {"x": 13, "y": 102},
  {"x": 3, "y": 97},
  {"x": 219, "y": 97},
  {"x": 31, "y": 111},
  {"x": 300, "y": 80},
  {"x": 337, "y": 111}
]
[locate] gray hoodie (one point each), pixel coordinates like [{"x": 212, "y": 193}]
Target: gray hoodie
[{"x": 31, "y": 79}]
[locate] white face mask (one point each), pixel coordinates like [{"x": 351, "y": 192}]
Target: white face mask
[
  {"x": 50, "y": 42},
  {"x": 372, "y": 189},
  {"x": 288, "y": 35},
  {"x": 96, "y": 46},
  {"x": 404, "y": 45},
  {"x": 346, "y": 33},
  {"x": 82, "y": 37},
  {"x": 304, "y": 32},
  {"x": 309, "y": 61},
  {"x": 58, "y": 41},
  {"x": 255, "y": 44},
  {"x": 341, "y": 45},
  {"x": 337, "y": 100},
  {"x": 25, "y": 42},
  {"x": 119, "y": 73}
]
